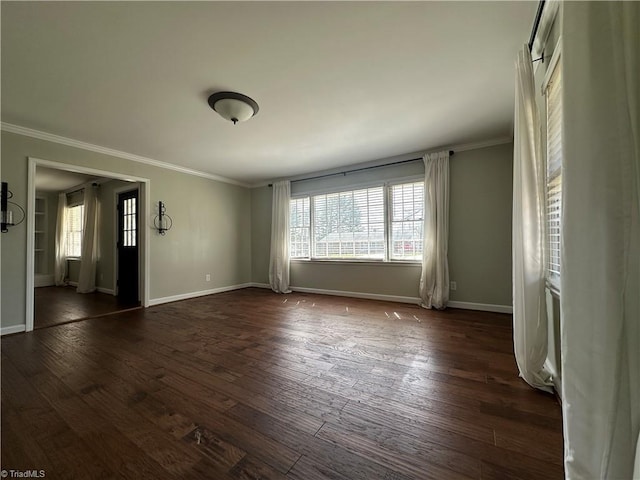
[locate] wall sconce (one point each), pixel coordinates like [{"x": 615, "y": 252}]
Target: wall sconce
[
  {"x": 162, "y": 222},
  {"x": 6, "y": 215}
]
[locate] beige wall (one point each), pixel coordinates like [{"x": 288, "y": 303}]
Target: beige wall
[
  {"x": 73, "y": 270},
  {"x": 480, "y": 225},
  {"x": 260, "y": 233},
  {"x": 211, "y": 232},
  {"x": 479, "y": 238}
]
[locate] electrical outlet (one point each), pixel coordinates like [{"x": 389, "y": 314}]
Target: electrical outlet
[
  {"x": 207, "y": 277},
  {"x": 453, "y": 286}
]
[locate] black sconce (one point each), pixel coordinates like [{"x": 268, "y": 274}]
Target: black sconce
[
  {"x": 162, "y": 222},
  {"x": 6, "y": 215}
]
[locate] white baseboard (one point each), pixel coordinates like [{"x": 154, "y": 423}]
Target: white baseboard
[
  {"x": 41, "y": 280},
  {"x": 369, "y": 296},
  {"x": 185, "y": 296},
  {"x": 484, "y": 307},
  {"x": 343, "y": 293},
  {"x": 12, "y": 329}
]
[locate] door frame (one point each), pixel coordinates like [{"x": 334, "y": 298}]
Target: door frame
[
  {"x": 144, "y": 185},
  {"x": 116, "y": 192}
]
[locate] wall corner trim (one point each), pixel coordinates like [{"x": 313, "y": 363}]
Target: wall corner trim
[{"x": 70, "y": 142}]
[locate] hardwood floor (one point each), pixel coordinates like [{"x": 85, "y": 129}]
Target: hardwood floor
[
  {"x": 57, "y": 305},
  {"x": 250, "y": 384}
]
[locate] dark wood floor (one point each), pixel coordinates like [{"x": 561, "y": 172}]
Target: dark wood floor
[
  {"x": 251, "y": 384},
  {"x": 57, "y": 305}
]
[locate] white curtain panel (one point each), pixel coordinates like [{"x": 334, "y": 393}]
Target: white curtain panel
[
  {"x": 60, "y": 265},
  {"x": 279, "y": 258},
  {"x": 434, "y": 279},
  {"x": 529, "y": 307},
  {"x": 600, "y": 241},
  {"x": 89, "y": 255}
]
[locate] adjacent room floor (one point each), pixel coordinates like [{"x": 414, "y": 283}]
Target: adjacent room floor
[
  {"x": 57, "y": 305},
  {"x": 251, "y": 384}
]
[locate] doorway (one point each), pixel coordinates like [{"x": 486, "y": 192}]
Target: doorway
[
  {"x": 127, "y": 246},
  {"x": 136, "y": 271}
]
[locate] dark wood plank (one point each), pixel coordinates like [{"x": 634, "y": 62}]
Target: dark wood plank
[
  {"x": 249, "y": 384},
  {"x": 58, "y": 305}
]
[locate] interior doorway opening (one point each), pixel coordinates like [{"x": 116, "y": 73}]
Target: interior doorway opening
[{"x": 121, "y": 242}]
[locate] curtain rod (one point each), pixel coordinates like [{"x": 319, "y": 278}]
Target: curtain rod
[
  {"x": 536, "y": 24},
  {"x": 451, "y": 153}
]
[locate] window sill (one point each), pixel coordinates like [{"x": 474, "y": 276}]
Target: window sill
[
  {"x": 378, "y": 263},
  {"x": 74, "y": 259}
]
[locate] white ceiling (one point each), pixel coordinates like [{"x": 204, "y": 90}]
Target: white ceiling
[
  {"x": 338, "y": 83},
  {"x": 53, "y": 180}
]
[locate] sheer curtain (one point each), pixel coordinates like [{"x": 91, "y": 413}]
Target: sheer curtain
[
  {"x": 279, "y": 258},
  {"x": 529, "y": 304},
  {"x": 434, "y": 279},
  {"x": 89, "y": 256},
  {"x": 600, "y": 240},
  {"x": 60, "y": 266}
]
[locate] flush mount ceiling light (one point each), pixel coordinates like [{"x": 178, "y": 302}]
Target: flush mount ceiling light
[{"x": 232, "y": 106}]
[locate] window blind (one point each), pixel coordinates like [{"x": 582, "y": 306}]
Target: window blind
[
  {"x": 407, "y": 221},
  {"x": 554, "y": 171},
  {"x": 299, "y": 223},
  {"x": 74, "y": 221},
  {"x": 378, "y": 222},
  {"x": 349, "y": 224}
]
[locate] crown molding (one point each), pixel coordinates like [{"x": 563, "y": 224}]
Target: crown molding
[
  {"x": 29, "y": 132},
  {"x": 462, "y": 147},
  {"x": 484, "y": 144}
]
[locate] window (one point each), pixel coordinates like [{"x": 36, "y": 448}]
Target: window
[
  {"x": 349, "y": 224},
  {"x": 407, "y": 221},
  {"x": 353, "y": 224},
  {"x": 554, "y": 173},
  {"x": 299, "y": 223},
  {"x": 74, "y": 224},
  {"x": 129, "y": 233}
]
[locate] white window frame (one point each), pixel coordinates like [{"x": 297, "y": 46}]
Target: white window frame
[{"x": 387, "y": 211}]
